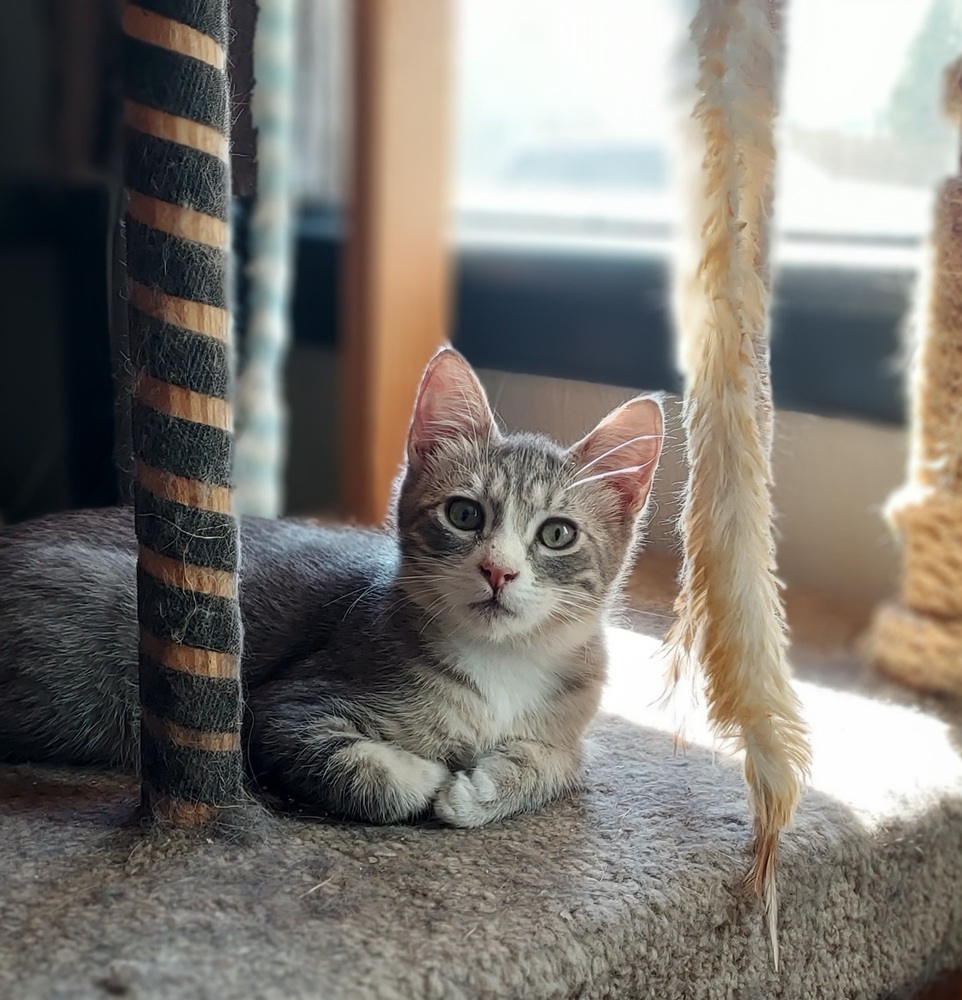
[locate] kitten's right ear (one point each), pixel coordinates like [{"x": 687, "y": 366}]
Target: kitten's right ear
[
  {"x": 450, "y": 404},
  {"x": 623, "y": 451}
]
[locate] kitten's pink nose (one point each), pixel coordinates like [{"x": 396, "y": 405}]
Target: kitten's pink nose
[{"x": 497, "y": 576}]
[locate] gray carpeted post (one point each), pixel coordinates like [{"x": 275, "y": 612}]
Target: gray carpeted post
[{"x": 178, "y": 184}]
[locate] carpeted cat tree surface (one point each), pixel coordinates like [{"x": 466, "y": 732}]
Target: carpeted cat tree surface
[{"x": 632, "y": 890}]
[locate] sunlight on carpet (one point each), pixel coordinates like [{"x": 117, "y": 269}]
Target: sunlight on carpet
[{"x": 882, "y": 759}]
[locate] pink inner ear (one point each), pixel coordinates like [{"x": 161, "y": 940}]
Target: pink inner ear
[
  {"x": 623, "y": 451},
  {"x": 451, "y": 404}
]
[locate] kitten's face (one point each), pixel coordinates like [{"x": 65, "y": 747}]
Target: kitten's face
[{"x": 501, "y": 536}]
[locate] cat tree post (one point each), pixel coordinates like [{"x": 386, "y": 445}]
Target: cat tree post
[
  {"x": 177, "y": 176},
  {"x": 919, "y": 638}
]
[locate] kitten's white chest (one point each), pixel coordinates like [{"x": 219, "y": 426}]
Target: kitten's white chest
[{"x": 511, "y": 685}]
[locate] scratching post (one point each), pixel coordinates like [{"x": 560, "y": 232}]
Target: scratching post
[
  {"x": 178, "y": 185},
  {"x": 919, "y": 638},
  {"x": 730, "y": 615}
]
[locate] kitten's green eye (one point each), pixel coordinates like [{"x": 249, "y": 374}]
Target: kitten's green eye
[
  {"x": 557, "y": 534},
  {"x": 465, "y": 514}
]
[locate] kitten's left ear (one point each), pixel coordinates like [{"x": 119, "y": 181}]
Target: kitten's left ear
[
  {"x": 623, "y": 451},
  {"x": 450, "y": 404}
]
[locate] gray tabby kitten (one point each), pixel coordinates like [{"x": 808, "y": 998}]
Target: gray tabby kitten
[{"x": 449, "y": 664}]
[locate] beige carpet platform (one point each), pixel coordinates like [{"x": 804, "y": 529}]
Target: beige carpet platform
[{"x": 630, "y": 891}]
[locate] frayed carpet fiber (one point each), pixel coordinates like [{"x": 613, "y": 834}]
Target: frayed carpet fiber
[{"x": 630, "y": 890}]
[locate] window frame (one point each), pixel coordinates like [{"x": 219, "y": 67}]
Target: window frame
[{"x": 569, "y": 309}]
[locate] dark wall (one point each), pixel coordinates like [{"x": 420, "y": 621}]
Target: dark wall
[
  {"x": 58, "y": 181},
  {"x": 62, "y": 436}
]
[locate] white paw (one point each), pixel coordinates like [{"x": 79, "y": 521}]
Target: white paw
[
  {"x": 424, "y": 776},
  {"x": 468, "y": 799},
  {"x": 411, "y": 782},
  {"x": 390, "y": 784}
]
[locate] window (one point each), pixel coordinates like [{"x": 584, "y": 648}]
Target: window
[
  {"x": 562, "y": 113},
  {"x": 565, "y": 115},
  {"x": 564, "y": 203}
]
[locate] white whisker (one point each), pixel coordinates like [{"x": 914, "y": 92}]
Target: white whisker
[
  {"x": 626, "y": 471},
  {"x": 617, "y": 447}
]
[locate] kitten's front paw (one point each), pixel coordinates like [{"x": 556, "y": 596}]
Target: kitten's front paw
[
  {"x": 382, "y": 783},
  {"x": 467, "y": 800}
]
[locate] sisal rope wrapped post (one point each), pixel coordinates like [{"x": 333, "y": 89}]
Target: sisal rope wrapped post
[
  {"x": 918, "y": 639},
  {"x": 177, "y": 174},
  {"x": 730, "y": 621}
]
